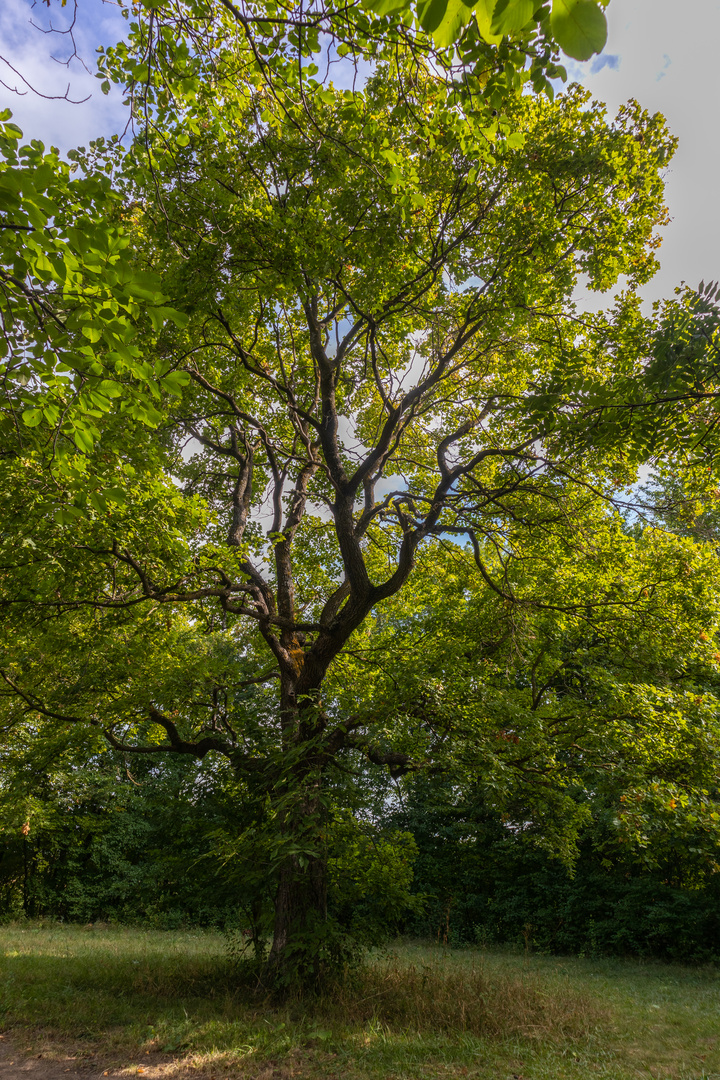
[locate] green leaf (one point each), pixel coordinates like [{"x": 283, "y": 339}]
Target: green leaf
[
  {"x": 12, "y": 131},
  {"x": 144, "y": 285},
  {"x": 384, "y": 7},
  {"x": 83, "y": 440},
  {"x": 92, "y": 333},
  {"x": 174, "y": 382},
  {"x": 110, "y": 389},
  {"x": 67, "y": 515},
  {"x": 32, "y": 417},
  {"x": 12, "y": 180},
  {"x": 42, "y": 267},
  {"x": 96, "y": 500},
  {"x": 35, "y": 215},
  {"x": 579, "y": 27},
  {"x": 457, "y": 15},
  {"x": 511, "y": 15},
  {"x": 484, "y": 16},
  {"x": 431, "y": 13}
]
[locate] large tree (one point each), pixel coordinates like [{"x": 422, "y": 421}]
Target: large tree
[{"x": 372, "y": 283}]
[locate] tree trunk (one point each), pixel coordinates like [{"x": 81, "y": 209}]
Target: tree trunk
[
  {"x": 300, "y": 916},
  {"x": 301, "y": 898}
]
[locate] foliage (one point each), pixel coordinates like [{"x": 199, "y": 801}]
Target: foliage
[
  {"x": 161, "y": 845},
  {"x": 659, "y": 402},
  {"x": 103, "y": 843},
  {"x": 370, "y": 873},
  {"x": 530, "y": 754},
  {"x": 596, "y": 913},
  {"x": 483, "y": 884},
  {"x": 587, "y": 730},
  {"x": 363, "y": 293},
  {"x": 69, "y": 288},
  {"x": 578, "y": 27},
  {"x": 558, "y": 701}
]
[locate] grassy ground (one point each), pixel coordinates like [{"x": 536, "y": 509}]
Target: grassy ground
[{"x": 112, "y": 1002}]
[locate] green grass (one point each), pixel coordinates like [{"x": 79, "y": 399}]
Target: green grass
[{"x": 165, "y": 1001}]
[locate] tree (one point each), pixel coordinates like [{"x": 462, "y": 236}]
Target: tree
[
  {"x": 578, "y": 27},
  {"x": 584, "y": 715},
  {"x": 67, "y": 283},
  {"x": 371, "y": 283},
  {"x": 659, "y": 401}
]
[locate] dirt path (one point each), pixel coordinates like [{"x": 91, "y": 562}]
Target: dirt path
[
  {"x": 19, "y": 1061},
  {"x": 27, "y": 1063}
]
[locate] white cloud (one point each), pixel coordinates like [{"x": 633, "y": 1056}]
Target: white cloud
[{"x": 44, "y": 71}]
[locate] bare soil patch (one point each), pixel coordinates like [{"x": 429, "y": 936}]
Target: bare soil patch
[{"x": 21, "y": 1061}]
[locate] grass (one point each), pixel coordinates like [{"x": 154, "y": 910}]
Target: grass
[{"x": 164, "y": 1002}]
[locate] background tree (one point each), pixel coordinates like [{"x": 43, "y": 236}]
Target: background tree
[
  {"x": 659, "y": 402},
  {"x": 625, "y": 724}
]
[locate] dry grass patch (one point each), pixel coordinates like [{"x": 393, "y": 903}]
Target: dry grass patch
[{"x": 443, "y": 996}]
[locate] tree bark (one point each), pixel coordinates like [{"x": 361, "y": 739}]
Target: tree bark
[
  {"x": 300, "y": 913},
  {"x": 301, "y": 897}
]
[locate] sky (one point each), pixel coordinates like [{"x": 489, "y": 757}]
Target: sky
[
  {"x": 663, "y": 53},
  {"x": 665, "y": 61},
  {"x": 41, "y": 60}
]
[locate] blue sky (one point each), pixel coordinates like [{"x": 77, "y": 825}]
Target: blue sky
[{"x": 666, "y": 62}]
